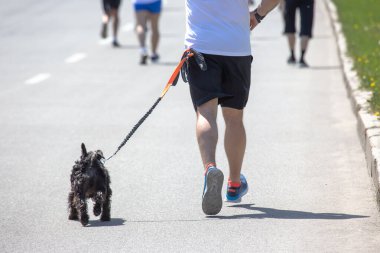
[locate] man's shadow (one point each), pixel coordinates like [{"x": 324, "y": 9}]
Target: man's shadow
[
  {"x": 271, "y": 213},
  {"x": 113, "y": 222}
]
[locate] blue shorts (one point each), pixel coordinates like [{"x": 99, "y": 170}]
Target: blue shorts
[{"x": 152, "y": 7}]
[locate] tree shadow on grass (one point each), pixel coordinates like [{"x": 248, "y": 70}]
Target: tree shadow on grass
[
  {"x": 271, "y": 213},
  {"x": 113, "y": 222}
]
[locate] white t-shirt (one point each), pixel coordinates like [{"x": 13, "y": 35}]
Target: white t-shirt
[
  {"x": 144, "y": 1},
  {"x": 218, "y": 27}
]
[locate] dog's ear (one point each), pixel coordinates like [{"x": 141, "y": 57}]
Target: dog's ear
[{"x": 84, "y": 151}]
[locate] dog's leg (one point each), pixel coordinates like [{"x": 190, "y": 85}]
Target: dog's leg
[
  {"x": 106, "y": 214},
  {"x": 98, "y": 199},
  {"x": 82, "y": 207},
  {"x": 73, "y": 214}
]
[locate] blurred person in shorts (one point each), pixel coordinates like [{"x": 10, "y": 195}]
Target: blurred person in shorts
[
  {"x": 111, "y": 11},
  {"x": 147, "y": 11}
]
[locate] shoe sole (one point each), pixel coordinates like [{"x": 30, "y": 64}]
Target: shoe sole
[{"x": 212, "y": 199}]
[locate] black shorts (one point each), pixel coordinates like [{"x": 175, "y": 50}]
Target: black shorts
[
  {"x": 227, "y": 78},
  {"x": 110, "y": 4},
  {"x": 306, "y": 8}
]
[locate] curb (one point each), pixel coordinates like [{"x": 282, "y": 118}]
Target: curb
[{"x": 368, "y": 125}]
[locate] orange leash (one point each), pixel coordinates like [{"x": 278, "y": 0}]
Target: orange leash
[
  {"x": 173, "y": 78},
  {"x": 175, "y": 74}
]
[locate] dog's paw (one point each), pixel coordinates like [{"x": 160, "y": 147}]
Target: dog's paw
[
  {"x": 84, "y": 220},
  {"x": 97, "y": 210},
  {"x": 73, "y": 217},
  {"x": 105, "y": 218}
]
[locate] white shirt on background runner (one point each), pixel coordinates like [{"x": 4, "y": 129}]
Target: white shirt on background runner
[{"x": 219, "y": 27}]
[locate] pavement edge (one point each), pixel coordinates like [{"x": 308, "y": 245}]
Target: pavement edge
[{"x": 368, "y": 125}]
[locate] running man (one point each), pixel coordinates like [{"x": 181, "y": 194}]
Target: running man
[
  {"x": 220, "y": 30},
  {"x": 306, "y": 8},
  {"x": 147, "y": 11},
  {"x": 111, "y": 11}
]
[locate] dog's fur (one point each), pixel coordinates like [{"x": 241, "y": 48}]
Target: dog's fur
[{"x": 89, "y": 179}]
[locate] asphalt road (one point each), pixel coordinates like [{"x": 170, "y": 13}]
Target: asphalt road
[{"x": 60, "y": 85}]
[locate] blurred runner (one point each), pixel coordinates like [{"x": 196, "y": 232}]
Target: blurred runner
[
  {"x": 147, "y": 11},
  {"x": 306, "y": 8},
  {"x": 111, "y": 11}
]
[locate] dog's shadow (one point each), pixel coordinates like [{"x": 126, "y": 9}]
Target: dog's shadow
[{"x": 112, "y": 223}]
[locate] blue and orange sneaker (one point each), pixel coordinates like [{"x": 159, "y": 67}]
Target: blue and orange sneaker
[
  {"x": 212, "y": 192},
  {"x": 236, "y": 191}
]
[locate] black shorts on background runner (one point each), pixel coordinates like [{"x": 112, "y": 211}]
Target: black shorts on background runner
[
  {"x": 227, "y": 78},
  {"x": 306, "y": 8},
  {"x": 110, "y": 4}
]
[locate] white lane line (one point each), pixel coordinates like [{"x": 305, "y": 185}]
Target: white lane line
[
  {"x": 38, "y": 78},
  {"x": 75, "y": 58},
  {"x": 127, "y": 27},
  {"x": 166, "y": 2}
]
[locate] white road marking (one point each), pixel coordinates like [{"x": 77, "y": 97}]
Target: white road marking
[
  {"x": 38, "y": 78},
  {"x": 75, "y": 58},
  {"x": 165, "y": 2},
  {"x": 128, "y": 27}
]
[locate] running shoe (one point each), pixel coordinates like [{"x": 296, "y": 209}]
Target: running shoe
[
  {"x": 143, "y": 59},
  {"x": 234, "y": 194},
  {"x": 303, "y": 64},
  {"x": 154, "y": 58},
  {"x": 291, "y": 60},
  {"x": 115, "y": 43},
  {"x": 212, "y": 192}
]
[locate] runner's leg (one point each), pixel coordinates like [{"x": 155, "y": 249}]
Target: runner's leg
[
  {"x": 234, "y": 141},
  {"x": 207, "y": 130},
  {"x": 154, "y": 19}
]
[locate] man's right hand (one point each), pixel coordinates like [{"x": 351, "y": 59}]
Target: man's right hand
[{"x": 253, "y": 21}]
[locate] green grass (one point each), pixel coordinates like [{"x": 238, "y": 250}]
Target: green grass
[{"x": 361, "y": 26}]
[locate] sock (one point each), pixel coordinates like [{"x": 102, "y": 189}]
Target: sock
[
  {"x": 143, "y": 51},
  {"x": 302, "y": 55},
  {"x": 233, "y": 184},
  {"x": 292, "y": 54},
  {"x": 212, "y": 164}
]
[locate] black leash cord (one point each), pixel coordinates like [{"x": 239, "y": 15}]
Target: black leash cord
[{"x": 135, "y": 127}]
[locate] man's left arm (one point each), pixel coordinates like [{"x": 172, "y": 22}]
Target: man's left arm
[{"x": 261, "y": 11}]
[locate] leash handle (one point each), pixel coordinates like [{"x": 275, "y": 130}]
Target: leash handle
[{"x": 175, "y": 74}]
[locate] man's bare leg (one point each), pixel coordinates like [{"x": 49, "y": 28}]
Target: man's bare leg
[
  {"x": 115, "y": 26},
  {"x": 304, "y": 44},
  {"x": 141, "y": 28},
  {"x": 207, "y": 130},
  {"x": 154, "y": 19},
  {"x": 234, "y": 141},
  {"x": 292, "y": 44},
  {"x": 207, "y": 135}
]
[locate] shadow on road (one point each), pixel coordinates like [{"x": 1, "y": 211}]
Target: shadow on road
[
  {"x": 113, "y": 222},
  {"x": 271, "y": 213}
]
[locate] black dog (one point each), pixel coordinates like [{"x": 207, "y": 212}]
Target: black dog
[{"x": 89, "y": 179}]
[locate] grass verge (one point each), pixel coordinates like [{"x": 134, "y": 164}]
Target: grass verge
[{"x": 361, "y": 26}]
